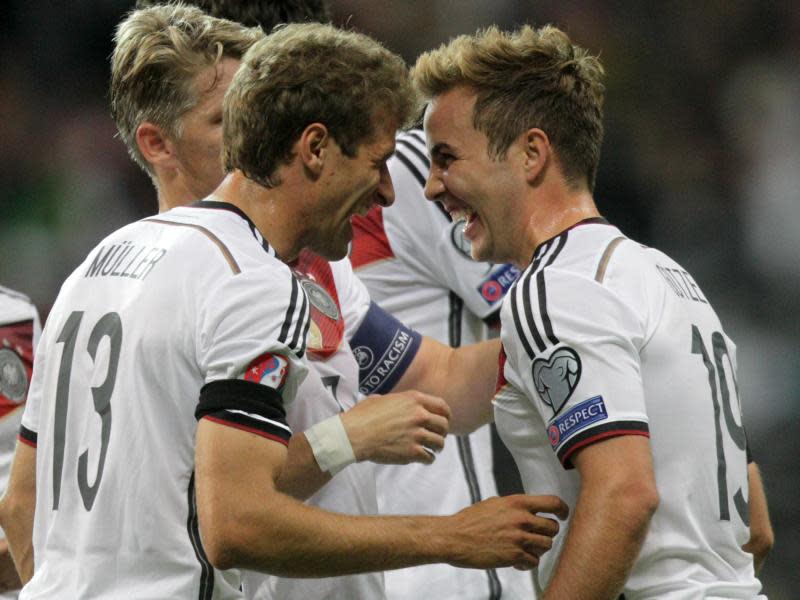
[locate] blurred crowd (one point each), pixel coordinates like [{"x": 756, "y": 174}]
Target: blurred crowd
[{"x": 701, "y": 159}]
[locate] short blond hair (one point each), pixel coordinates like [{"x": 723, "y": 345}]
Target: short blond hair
[
  {"x": 158, "y": 53},
  {"x": 306, "y": 73},
  {"x": 523, "y": 79}
]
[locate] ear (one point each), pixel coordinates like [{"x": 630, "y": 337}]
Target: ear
[
  {"x": 155, "y": 146},
  {"x": 313, "y": 146},
  {"x": 538, "y": 153}
]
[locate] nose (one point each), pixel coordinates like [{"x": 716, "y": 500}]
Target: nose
[
  {"x": 385, "y": 192},
  {"x": 434, "y": 186}
]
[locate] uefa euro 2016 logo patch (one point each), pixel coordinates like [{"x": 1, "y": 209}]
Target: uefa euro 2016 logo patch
[
  {"x": 557, "y": 377},
  {"x": 578, "y": 417},
  {"x": 495, "y": 286}
]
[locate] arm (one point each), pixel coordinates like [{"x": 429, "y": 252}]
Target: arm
[
  {"x": 247, "y": 523},
  {"x": 390, "y": 429},
  {"x": 762, "y": 536},
  {"x": 465, "y": 377},
  {"x": 617, "y": 498},
  {"x": 17, "y": 508}
]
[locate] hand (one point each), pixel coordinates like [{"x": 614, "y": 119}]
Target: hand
[
  {"x": 9, "y": 579},
  {"x": 502, "y": 532},
  {"x": 397, "y": 428}
]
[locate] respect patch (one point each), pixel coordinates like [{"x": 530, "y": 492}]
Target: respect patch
[
  {"x": 578, "y": 417},
  {"x": 495, "y": 286}
]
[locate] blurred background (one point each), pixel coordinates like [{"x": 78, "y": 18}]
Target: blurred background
[{"x": 701, "y": 159}]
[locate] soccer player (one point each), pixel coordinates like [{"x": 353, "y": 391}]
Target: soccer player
[
  {"x": 389, "y": 425},
  {"x": 619, "y": 383},
  {"x": 19, "y": 333},
  {"x": 192, "y": 315},
  {"x": 415, "y": 262}
]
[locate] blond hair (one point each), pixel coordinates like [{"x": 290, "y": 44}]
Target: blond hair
[
  {"x": 306, "y": 73},
  {"x": 158, "y": 54},
  {"x": 523, "y": 79}
]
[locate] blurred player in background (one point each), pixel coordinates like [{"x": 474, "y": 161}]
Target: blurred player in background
[
  {"x": 240, "y": 328},
  {"x": 416, "y": 264},
  {"x": 619, "y": 385},
  {"x": 19, "y": 333}
]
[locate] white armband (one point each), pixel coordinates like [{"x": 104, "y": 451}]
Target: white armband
[{"x": 330, "y": 445}]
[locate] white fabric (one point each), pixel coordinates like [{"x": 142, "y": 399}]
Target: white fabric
[
  {"x": 632, "y": 331},
  {"x": 331, "y": 388},
  {"x": 415, "y": 286},
  {"x": 186, "y": 319}
]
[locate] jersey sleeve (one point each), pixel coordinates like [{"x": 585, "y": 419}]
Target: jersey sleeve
[
  {"x": 251, "y": 341},
  {"x": 576, "y": 355},
  {"x": 423, "y": 235},
  {"x": 353, "y": 295}
]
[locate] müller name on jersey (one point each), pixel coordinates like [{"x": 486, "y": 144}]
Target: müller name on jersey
[{"x": 124, "y": 260}]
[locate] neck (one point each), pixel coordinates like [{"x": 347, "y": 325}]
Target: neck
[
  {"x": 273, "y": 211},
  {"x": 173, "y": 191},
  {"x": 549, "y": 215}
]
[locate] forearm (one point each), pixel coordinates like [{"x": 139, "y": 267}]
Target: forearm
[
  {"x": 301, "y": 476},
  {"x": 17, "y": 510},
  {"x": 465, "y": 377},
  {"x": 604, "y": 539},
  {"x": 762, "y": 536}
]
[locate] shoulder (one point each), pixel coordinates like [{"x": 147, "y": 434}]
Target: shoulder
[{"x": 15, "y": 306}]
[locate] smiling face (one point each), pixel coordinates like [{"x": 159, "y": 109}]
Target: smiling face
[
  {"x": 471, "y": 185},
  {"x": 198, "y": 146},
  {"x": 352, "y": 186}
]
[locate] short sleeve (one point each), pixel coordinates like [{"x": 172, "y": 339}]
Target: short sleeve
[
  {"x": 249, "y": 319},
  {"x": 573, "y": 347}
]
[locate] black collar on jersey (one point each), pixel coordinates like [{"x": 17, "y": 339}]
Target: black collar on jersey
[
  {"x": 587, "y": 221},
  {"x": 219, "y": 205}
]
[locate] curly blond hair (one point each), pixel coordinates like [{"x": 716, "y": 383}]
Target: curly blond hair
[
  {"x": 158, "y": 54},
  {"x": 306, "y": 73},
  {"x": 523, "y": 79}
]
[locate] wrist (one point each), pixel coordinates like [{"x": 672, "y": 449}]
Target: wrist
[{"x": 330, "y": 445}]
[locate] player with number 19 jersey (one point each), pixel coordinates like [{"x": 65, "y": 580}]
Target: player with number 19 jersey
[
  {"x": 604, "y": 337},
  {"x": 168, "y": 320}
]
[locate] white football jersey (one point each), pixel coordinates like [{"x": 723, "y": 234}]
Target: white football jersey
[
  {"x": 19, "y": 333},
  {"x": 604, "y": 337},
  {"x": 416, "y": 264},
  {"x": 339, "y": 303},
  {"x": 162, "y": 320}
]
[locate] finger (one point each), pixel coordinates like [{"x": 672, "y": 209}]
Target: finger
[
  {"x": 542, "y": 525},
  {"x": 437, "y": 424},
  {"x": 430, "y": 440},
  {"x": 436, "y": 405},
  {"x": 537, "y": 544},
  {"x": 547, "y": 504},
  {"x": 425, "y": 455},
  {"x": 526, "y": 563}
]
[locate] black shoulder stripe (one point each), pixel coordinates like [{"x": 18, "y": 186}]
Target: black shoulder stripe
[
  {"x": 542, "y": 292},
  {"x": 526, "y": 303},
  {"x": 411, "y": 167},
  {"x": 305, "y": 312},
  {"x": 517, "y": 324},
  {"x": 417, "y": 152},
  {"x": 287, "y": 321},
  {"x": 417, "y": 135},
  {"x": 305, "y": 335}
]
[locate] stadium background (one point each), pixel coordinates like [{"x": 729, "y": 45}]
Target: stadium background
[{"x": 701, "y": 159}]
